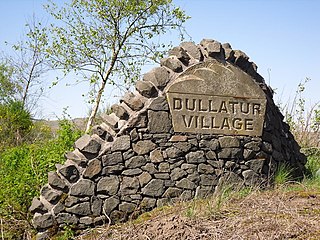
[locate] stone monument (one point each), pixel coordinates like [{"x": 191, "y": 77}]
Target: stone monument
[{"x": 203, "y": 119}]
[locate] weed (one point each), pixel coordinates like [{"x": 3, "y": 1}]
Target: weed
[{"x": 283, "y": 174}]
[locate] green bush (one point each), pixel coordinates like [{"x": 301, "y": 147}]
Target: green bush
[
  {"x": 23, "y": 171},
  {"x": 15, "y": 124}
]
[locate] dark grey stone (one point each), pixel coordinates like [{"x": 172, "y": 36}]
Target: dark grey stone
[
  {"x": 66, "y": 218},
  {"x": 96, "y": 206},
  {"x": 181, "y": 54},
  {"x": 127, "y": 207},
  {"x": 133, "y": 101},
  {"x": 144, "y": 178},
  {"x": 50, "y": 194},
  {"x": 120, "y": 111},
  {"x": 248, "y": 154},
  {"x": 87, "y": 144},
  {"x": 192, "y": 50},
  {"x": 150, "y": 168},
  {"x": 159, "y": 122},
  {"x": 205, "y": 168},
  {"x": 229, "y": 142},
  {"x": 93, "y": 169},
  {"x": 146, "y": 89},
  {"x": 114, "y": 169},
  {"x": 208, "y": 180},
  {"x": 148, "y": 203},
  {"x": 108, "y": 185},
  {"x": 230, "y": 164},
  {"x": 266, "y": 147},
  {"x": 144, "y": 147},
  {"x": 195, "y": 157},
  {"x": 156, "y": 156},
  {"x": 172, "y": 63},
  {"x": 256, "y": 165},
  {"x": 82, "y": 209},
  {"x": 70, "y": 172},
  {"x": 172, "y": 192},
  {"x": 86, "y": 221},
  {"x": 37, "y": 206},
  {"x": 251, "y": 178},
  {"x": 56, "y": 182},
  {"x": 128, "y": 154},
  {"x": 43, "y": 221},
  {"x": 82, "y": 188},
  {"x": 159, "y": 104},
  {"x": 255, "y": 146},
  {"x": 212, "y": 144},
  {"x": 183, "y": 146},
  {"x": 112, "y": 159},
  {"x": 155, "y": 188},
  {"x": 159, "y": 76},
  {"x": 216, "y": 163},
  {"x": 186, "y": 184},
  {"x": 110, "y": 204},
  {"x": 135, "y": 162},
  {"x": 177, "y": 174},
  {"x": 227, "y": 153},
  {"x": 173, "y": 152},
  {"x": 129, "y": 185},
  {"x": 121, "y": 143},
  {"x": 132, "y": 172},
  {"x": 70, "y": 201}
]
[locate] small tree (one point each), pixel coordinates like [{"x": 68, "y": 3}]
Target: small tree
[
  {"x": 28, "y": 65},
  {"x": 8, "y": 89},
  {"x": 107, "y": 41}
]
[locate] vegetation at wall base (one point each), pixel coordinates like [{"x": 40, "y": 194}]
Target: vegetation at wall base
[{"x": 23, "y": 170}]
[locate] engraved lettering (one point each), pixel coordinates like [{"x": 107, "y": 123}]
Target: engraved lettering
[
  {"x": 237, "y": 123},
  {"x": 187, "y": 121},
  {"x": 248, "y": 124},
  {"x": 256, "y": 107},
  {"x": 244, "y": 109},
  {"x": 203, "y": 123},
  {"x": 211, "y": 109},
  {"x": 223, "y": 107},
  {"x": 201, "y": 108},
  {"x": 225, "y": 123},
  {"x": 177, "y": 103},
  {"x": 232, "y": 106},
  {"x": 188, "y": 107}
]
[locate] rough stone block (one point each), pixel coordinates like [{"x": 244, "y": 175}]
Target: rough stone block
[
  {"x": 82, "y": 209},
  {"x": 110, "y": 204},
  {"x": 112, "y": 159},
  {"x": 56, "y": 182},
  {"x": 93, "y": 169},
  {"x": 159, "y": 122},
  {"x": 120, "y": 111},
  {"x": 158, "y": 76},
  {"x": 159, "y": 104},
  {"x": 155, "y": 188},
  {"x": 144, "y": 147},
  {"x": 195, "y": 157},
  {"x": 172, "y": 63},
  {"x": 146, "y": 89},
  {"x": 192, "y": 50},
  {"x": 108, "y": 185},
  {"x": 82, "y": 188},
  {"x": 121, "y": 143},
  {"x": 43, "y": 221},
  {"x": 133, "y": 101},
  {"x": 87, "y": 144},
  {"x": 181, "y": 54},
  {"x": 135, "y": 162}
]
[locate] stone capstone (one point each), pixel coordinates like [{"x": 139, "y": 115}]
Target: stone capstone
[
  {"x": 158, "y": 76},
  {"x": 146, "y": 89},
  {"x": 87, "y": 144}
]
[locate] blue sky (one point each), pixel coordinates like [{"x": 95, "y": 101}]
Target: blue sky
[{"x": 281, "y": 37}]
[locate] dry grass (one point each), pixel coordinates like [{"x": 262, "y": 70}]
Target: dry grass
[{"x": 276, "y": 214}]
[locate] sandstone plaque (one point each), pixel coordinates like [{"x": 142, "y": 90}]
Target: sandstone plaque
[{"x": 216, "y": 98}]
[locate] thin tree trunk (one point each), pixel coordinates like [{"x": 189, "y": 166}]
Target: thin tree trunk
[{"x": 95, "y": 106}]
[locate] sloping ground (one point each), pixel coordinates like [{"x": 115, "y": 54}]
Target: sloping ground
[{"x": 277, "y": 214}]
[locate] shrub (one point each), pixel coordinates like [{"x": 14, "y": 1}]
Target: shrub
[{"x": 23, "y": 171}]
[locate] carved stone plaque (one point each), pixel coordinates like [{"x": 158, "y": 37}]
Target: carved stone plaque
[{"x": 216, "y": 98}]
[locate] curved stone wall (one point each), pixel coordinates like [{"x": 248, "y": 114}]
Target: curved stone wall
[{"x": 138, "y": 159}]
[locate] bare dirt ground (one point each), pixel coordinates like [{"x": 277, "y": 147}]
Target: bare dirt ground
[{"x": 277, "y": 214}]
